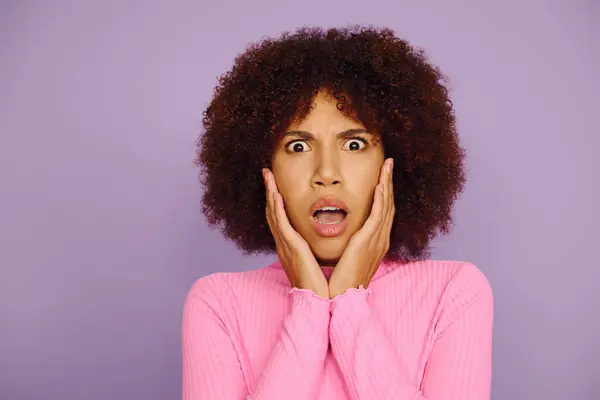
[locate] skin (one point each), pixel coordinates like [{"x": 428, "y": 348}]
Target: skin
[
  {"x": 329, "y": 154},
  {"x": 327, "y": 166}
]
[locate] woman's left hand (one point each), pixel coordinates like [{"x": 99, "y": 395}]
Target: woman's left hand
[{"x": 368, "y": 246}]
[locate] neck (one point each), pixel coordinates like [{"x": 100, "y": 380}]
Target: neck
[{"x": 327, "y": 263}]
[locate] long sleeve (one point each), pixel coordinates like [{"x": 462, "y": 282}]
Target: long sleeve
[
  {"x": 458, "y": 367},
  {"x": 212, "y": 357}
]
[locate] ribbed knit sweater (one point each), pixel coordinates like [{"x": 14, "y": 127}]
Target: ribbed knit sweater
[{"x": 421, "y": 330}]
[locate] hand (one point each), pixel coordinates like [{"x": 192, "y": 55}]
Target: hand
[
  {"x": 297, "y": 259},
  {"x": 368, "y": 246}
]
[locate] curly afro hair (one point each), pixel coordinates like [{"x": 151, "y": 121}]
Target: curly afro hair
[{"x": 377, "y": 79}]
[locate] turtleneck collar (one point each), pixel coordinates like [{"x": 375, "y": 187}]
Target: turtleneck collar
[{"x": 384, "y": 267}]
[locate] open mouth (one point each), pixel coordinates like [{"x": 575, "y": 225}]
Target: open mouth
[{"x": 329, "y": 215}]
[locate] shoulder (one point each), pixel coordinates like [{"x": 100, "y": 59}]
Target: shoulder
[
  {"x": 466, "y": 281},
  {"x": 222, "y": 289},
  {"x": 463, "y": 287},
  {"x": 449, "y": 272},
  {"x": 447, "y": 280},
  {"x": 448, "y": 290}
]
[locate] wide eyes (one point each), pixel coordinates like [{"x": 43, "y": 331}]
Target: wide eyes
[
  {"x": 299, "y": 146},
  {"x": 355, "y": 144}
]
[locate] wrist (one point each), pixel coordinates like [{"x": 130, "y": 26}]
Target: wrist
[
  {"x": 340, "y": 288},
  {"x": 319, "y": 290}
]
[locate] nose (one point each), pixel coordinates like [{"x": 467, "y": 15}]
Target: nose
[{"x": 327, "y": 170}]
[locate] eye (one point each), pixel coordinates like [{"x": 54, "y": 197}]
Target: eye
[
  {"x": 355, "y": 144},
  {"x": 297, "y": 146}
]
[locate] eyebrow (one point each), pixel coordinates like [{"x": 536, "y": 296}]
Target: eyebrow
[{"x": 341, "y": 135}]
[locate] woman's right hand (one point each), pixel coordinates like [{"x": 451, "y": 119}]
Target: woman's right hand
[{"x": 295, "y": 254}]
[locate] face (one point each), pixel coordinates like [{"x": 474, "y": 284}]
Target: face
[{"x": 327, "y": 162}]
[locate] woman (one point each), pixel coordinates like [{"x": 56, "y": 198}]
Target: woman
[{"x": 355, "y": 137}]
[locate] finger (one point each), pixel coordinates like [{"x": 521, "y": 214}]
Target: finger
[
  {"x": 390, "y": 194},
  {"x": 268, "y": 195},
  {"x": 271, "y": 180},
  {"x": 382, "y": 234},
  {"x": 383, "y": 185},
  {"x": 386, "y": 188},
  {"x": 288, "y": 233},
  {"x": 286, "y": 236},
  {"x": 390, "y": 209},
  {"x": 382, "y": 173},
  {"x": 279, "y": 234},
  {"x": 279, "y": 214},
  {"x": 269, "y": 209},
  {"x": 387, "y": 224},
  {"x": 274, "y": 196},
  {"x": 270, "y": 215},
  {"x": 371, "y": 224}
]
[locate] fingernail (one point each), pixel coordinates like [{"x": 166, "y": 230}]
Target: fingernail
[{"x": 391, "y": 164}]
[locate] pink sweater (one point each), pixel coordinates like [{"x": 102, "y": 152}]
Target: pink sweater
[{"x": 422, "y": 330}]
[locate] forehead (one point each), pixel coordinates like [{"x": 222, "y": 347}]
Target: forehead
[{"x": 324, "y": 118}]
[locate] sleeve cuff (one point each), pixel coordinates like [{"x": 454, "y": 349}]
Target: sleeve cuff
[
  {"x": 307, "y": 299},
  {"x": 353, "y": 300}
]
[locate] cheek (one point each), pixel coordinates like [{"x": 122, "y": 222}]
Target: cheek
[
  {"x": 362, "y": 186},
  {"x": 284, "y": 178},
  {"x": 361, "y": 178},
  {"x": 291, "y": 191}
]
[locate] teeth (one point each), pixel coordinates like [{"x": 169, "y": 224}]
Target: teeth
[{"x": 329, "y": 209}]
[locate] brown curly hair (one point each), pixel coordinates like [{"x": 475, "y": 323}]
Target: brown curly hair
[{"x": 376, "y": 78}]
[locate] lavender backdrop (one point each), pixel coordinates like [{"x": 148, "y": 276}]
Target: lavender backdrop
[{"x": 101, "y": 233}]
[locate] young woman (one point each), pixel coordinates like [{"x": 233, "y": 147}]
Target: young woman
[{"x": 346, "y": 140}]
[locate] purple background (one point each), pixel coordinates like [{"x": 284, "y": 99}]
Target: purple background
[{"x": 101, "y": 232}]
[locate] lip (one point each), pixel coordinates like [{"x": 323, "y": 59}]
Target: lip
[
  {"x": 328, "y": 202},
  {"x": 329, "y": 230}
]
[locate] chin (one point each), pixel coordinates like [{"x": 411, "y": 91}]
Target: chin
[{"x": 328, "y": 251}]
